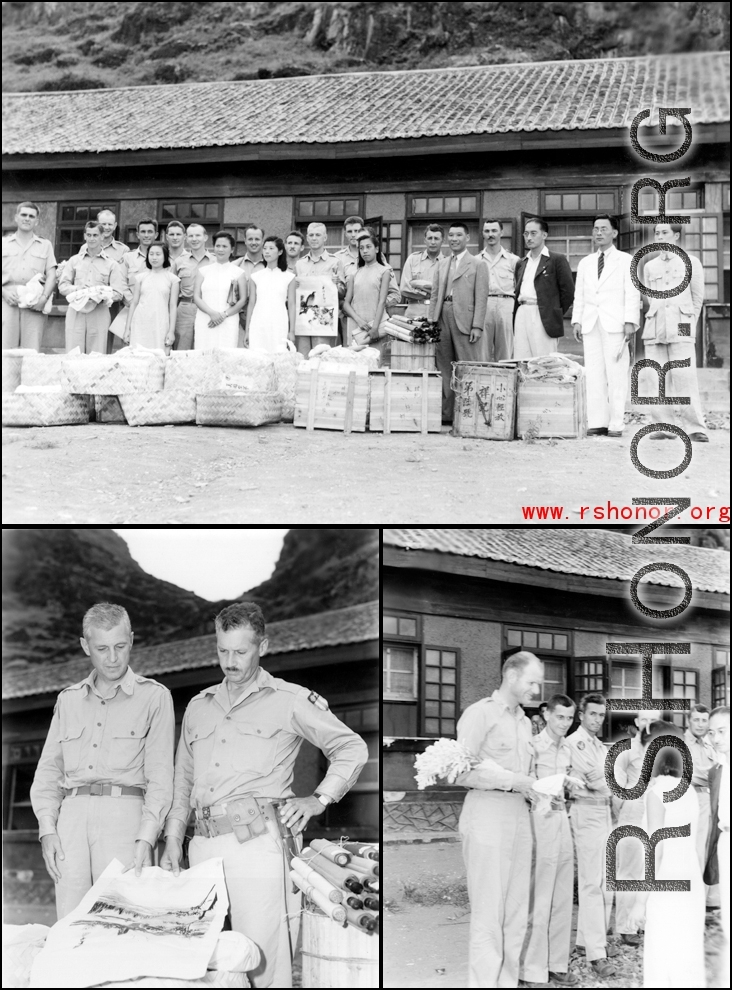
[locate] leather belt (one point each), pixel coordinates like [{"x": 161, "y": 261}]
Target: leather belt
[
  {"x": 185, "y": 299},
  {"x": 597, "y": 801},
  {"x": 498, "y": 295},
  {"x": 447, "y": 299},
  {"x": 528, "y": 302},
  {"x": 210, "y": 825},
  {"x": 700, "y": 787},
  {"x": 114, "y": 790}
]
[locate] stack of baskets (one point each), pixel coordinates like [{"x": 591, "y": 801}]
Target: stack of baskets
[{"x": 36, "y": 391}]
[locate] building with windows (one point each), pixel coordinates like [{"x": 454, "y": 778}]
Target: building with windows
[
  {"x": 401, "y": 149},
  {"x": 333, "y": 653},
  {"x": 458, "y": 602}
]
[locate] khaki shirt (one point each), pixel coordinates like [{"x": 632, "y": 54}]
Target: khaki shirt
[
  {"x": 664, "y": 315},
  {"x": 250, "y": 747},
  {"x": 587, "y": 752},
  {"x": 131, "y": 264},
  {"x": 81, "y": 272},
  {"x": 627, "y": 772},
  {"x": 116, "y": 250},
  {"x": 186, "y": 268},
  {"x": 500, "y": 271},
  {"x": 420, "y": 266},
  {"x": 548, "y": 757},
  {"x": 702, "y": 756},
  {"x": 248, "y": 265},
  {"x": 126, "y": 739},
  {"x": 490, "y": 730},
  {"x": 20, "y": 263}
]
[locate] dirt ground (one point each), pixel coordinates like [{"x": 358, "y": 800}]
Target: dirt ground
[
  {"x": 427, "y": 921},
  {"x": 113, "y": 474}
]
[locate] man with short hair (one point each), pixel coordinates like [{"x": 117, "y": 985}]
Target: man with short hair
[
  {"x": 716, "y": 870},
  {"x": 544, "y": 290},
  {"x": 498, "y": 332},
  {"x": 26, "y": 256},
  {"x": 663, "y": 341},
  {"x": 458, "y": 300},
  {"x": 113, "y": 249},
  {"x": 494, "y": 822},
  {"x": 104, "y": 782},
  {"x": 132, "y": 263},
  {"x": 703, "y": 759},
  {"x": 293, "y": 249},
  {"x": 316, "y": 262},
  {"x": 87, "y": 330},
  {"x": 175, "y": 236},
  {"x": 605, "y": 316},
  {"x": 545, "y": 955},
  {"x": 629, "y": 856},
  {"x": 347, "y": 256},
  {"x": 251, "y": 261},
  {"x": 590, "y": 819},
  {"x": 419, "y": 272},
  {"x": 234, "y": 769},
  {"x": 186, "y": 267}
]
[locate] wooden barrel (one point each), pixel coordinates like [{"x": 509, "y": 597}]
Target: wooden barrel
[
  {"x": 485, "y": 400},
  {"x": 333, "y": 956}
]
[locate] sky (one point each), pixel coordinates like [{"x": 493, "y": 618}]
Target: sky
[{"x": 214, "y": 563}]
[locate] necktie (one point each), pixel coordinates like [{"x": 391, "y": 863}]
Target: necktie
[
  {"x": 600, "y": 264},
  {"x": 453, "y": 269}
]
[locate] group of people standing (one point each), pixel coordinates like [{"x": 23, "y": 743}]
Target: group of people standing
[
  {"x": 180, "y": 291},
  {"x": 520, "y": 861}
]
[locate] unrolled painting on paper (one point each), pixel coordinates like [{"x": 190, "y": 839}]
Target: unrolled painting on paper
[
  {"x": 316, "y": 306},
  {"x": 127, "y": 927}
]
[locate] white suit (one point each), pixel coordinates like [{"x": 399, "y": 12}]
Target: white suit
[{"x": 602, "y": 307}]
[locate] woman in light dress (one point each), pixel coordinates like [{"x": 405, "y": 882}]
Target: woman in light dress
[
  {"x": 214, "y": 292},
  {"x": 367, "y": 288},
  {"x": 151, "y": 319},
  {"x": 271, "y": 313},
  {"x": 673, "y": 946}
]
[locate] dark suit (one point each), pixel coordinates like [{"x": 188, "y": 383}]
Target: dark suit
[
  {"x": 554, "y": 287},
  {"x": 466, "y": 312},
  {"x": 711, "y": 870}
]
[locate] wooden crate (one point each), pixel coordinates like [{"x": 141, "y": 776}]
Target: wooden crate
[
  {"x": 332, "y": 401},
  {"x": 402, "y": 401},
  {"x": 552, "y": 409},
  {"x": 412, "y": 357},
  {"x": 485, "y": 400}
]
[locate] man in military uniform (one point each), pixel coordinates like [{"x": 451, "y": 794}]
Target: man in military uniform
[
  {"x": 494, "y": 822},
  {"x": 545, "y": 955},
  {"x": 590, "y": 818},
  {"x": 629, "y": 856},
  {"x": 25, "y": 257},
  {"x": 104, "y": 783},
  {"x": 234, "y": 768}
]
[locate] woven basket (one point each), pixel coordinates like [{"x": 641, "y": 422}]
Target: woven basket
[
  {"x": 171, "y": 405},
  {"x": 108, "y": 409},
  {"x": 12, "y": 363},
  {"x": 253, "y": 370},
  {"x": 108, "y": 374},
  {"x": 285, "y": 366},
  {"x": 238, "y": 408},
  {"x": 45, "y": 409},
  {"x": 195, "y": 371},
  {"x": 43, "y": 369}
]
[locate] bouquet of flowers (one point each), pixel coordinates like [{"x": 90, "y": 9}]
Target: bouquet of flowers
[{"x": 444, "y": 759}]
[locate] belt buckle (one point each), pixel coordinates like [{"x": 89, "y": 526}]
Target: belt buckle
[{"x": 95, "y": 789}]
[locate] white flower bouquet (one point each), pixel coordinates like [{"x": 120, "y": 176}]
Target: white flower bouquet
[{"x": 444, "y": 759}]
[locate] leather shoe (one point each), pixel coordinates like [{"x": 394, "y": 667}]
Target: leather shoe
[
  {"x": 615, "y": 433},
  {"x": 563, "y": 979},
  {"x": 602, "y": 968},
  {"x": 634, "y": 940},
  {"x": 699, "y": 437},
  {"x": 525, "y": 983},
  {"x": 611, "y": 950},
  {"x": 662, "y": 436},
  {"x": 599, "y": 431}
]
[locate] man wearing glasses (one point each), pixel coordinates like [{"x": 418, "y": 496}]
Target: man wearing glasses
[{"x": 26, "y": 257}]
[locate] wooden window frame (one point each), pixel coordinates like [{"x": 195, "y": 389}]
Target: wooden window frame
[
  {"x": 685, "y": 670},
  {"x": 300, "y": 218},
  {"x": 403, "y": 614},
  {"x": 438, "y": 194},
  {"x": 720, "y": 675},
  {"x": 693, "y": 187},
  {"x": 415, "y": 646},
  {"x": 204, "y": 221},
  {"x": 558, "y": 214},
  {"x": 422, "y": 685}
]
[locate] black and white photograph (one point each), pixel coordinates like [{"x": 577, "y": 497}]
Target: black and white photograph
[
  {"x": 448, "y": 260},
  {"x": 223, "y": 683},
  {"x": 554, "y": 701}
]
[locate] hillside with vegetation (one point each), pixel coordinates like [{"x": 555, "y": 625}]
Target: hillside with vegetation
[{"x": 52, "y": 46}]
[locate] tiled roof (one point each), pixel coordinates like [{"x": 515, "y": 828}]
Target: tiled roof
[
  {"x": 589, "y": 552},
  {"x": 354, "y": 624},
  {"x": 590, "y": 94}
]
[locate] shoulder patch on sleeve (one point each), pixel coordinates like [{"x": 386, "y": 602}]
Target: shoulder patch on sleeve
[{"x": 318, "y": 700}]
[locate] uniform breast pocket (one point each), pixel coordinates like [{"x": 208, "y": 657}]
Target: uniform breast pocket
[
  {"x": 72, "y": 742},
  {"x": 127, "y": 747},
  {"x": 499, "y": 750},
  {"x": 201, "y": 740},
  {"x": 256, "y": 747}
]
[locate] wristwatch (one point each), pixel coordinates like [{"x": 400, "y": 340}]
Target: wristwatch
[{"x": 324, "y": 799}]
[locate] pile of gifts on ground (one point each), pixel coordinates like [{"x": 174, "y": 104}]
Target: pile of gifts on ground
[{"x": 342, "y": 881}]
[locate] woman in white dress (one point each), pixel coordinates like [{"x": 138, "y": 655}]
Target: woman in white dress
[
  {"x": 151, "y": 318},
  {"x": 214, "y": 291},
  {"x": 673, "y": 946},
  {"x": 271, "y": 313}
]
